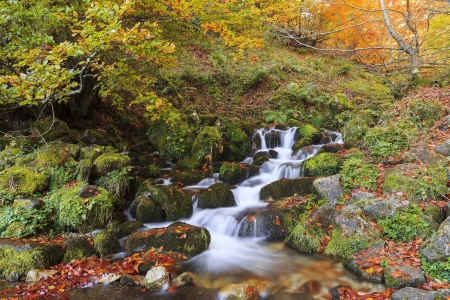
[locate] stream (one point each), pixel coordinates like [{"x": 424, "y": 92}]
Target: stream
[{"x": 233, "y": 259}]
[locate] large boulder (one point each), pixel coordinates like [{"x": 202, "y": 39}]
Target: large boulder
[
  {"x": 51, "y": 129},
  {"x": 177, "y": 204},
  {"x": 108, "y": 162},
  {"x": 148, "y": 210},
  {"x": 217, "y": 195},
  {"x": 17, "y": 258},
  {"x": 381, "y": 208},
  {"x": 233, "y": 173},
  {"x": 77, "y": 248},
  {"x": 305, "y": 135},
  {"x": 437, "y": 248},
  {"x": 179, "y": 237},
  {"x": 106, "y": 242},
  {"x": 329, "y": 188},
  {"x": 443, "y": 148},
  {"x": 23, "y": 180},
  {"x": 287, "y": 187},
  {"x": 323, "y": 164},
  {"x": 422, "y": 156}
]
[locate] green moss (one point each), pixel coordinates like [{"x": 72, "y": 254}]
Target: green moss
[
  {"x": 18, "y": 229},
  {"x": 84, "y": 170},
  {"x": 187, "y": 164},
  {"x": 83, "y": 214},
  {"x": 358, "y": 173},
  {"x": 353, "y": 132},
  {"x": 232, "y": 173},
  {"x": 236, "y": 136},
  {"x": 150, "y": 171},
  {"x": 51, "y": 129},
  {"x": 217, "y": 195},
  {"x": 231, "y": 152},
  {"x": 16, "y": 258},
  {"x": 208, "y": 144},
  {"x": 106, "y": 243},
  {"x": 323, "y": 164},
  {"x": 177, "y": 204},
  {"x": 196, "y": 240},
  {"x": 144, "y": 187},
  {"x": 148, "y": 211},
  {"x": 343, "y": 246},
  {"x": 23, "y": 180},
  {"x": 53, "y": 157},
  {"x": 339, "y": 103},
  {"x": 188, "y": 177},
  {"x": 259, "y": 160},
  {"x": 127, "y": 228},
  {"x": 306, "y": 135},
  {"x": 91, "y": 152},
  {"x": 77, "y": 249},
  {"x": 425, "y": 112},
  {"x": 305, "y": 238},
  {"x": 287, "y": 187},
  {"x": 108, "y": 162}
]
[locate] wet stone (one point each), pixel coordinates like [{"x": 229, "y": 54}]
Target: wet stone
[{"x": 410, "y": 293}]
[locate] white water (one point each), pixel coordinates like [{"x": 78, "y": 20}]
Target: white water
[{"x": 227, "y": 251}]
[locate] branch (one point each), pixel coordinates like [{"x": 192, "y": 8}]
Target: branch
[{"x": 79, "y": 90}]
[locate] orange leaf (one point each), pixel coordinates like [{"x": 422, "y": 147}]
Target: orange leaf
[{"x": 396, "y": 274}]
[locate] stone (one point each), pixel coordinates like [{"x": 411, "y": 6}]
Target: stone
[
  {"x": 411, "y": 293},
  {"x": 443, "y": 148},
  {"x": 325, "y": 214},
  {"x": 287, "y": 187},
  {"x": 149, "y": 211},
  {"x": 108, "y": 162},
  {"x": 381, "y": 208},
  {"x": 23, "y": 180},
  {"x": 177, "y": 204},
  {"x": 184, "y": 279},
  {"x": 133, "y": 280},
  {"x": 238, "y": 292},
  {"x": 329, "y": 188},
  {"x": 357, "y": 263},
  {"x": 437, "y": 248},
  {"x": 51, "y": 129},
  {"x": 97, "y": 137},
  {"x": 109, "y": 277},
  {"x": 88, "y": 191},
  {"x": 415, "y": 277},
  {"x": 217, "y": 195},
  {"x": 423, "y": 155},
  {"x": 157, "y": 279},
  {"x": 106, "y": 243},
  {"x": 34, "y": 274},
  {"x": 322, "y": 164},
  {"x": 127, "y": 228},
  {"x": 77, "y": 248},
  {"x": 351, "y": 220}
]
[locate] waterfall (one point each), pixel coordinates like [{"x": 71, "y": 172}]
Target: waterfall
[{"x": 227, "y": 251}]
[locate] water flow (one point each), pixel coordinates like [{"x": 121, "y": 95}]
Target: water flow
[{"x": 227, "y": 251}]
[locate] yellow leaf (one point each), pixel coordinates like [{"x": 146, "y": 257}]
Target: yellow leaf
[
  {"x": 51, "y": 287},
  {"x": 369, "y": 270}
]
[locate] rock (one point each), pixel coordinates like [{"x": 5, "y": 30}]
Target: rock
[
  {"x": 97, "y": 137},
  {"x": 178, "y": 237},
  {"x": 411, "y": 293},
  {"x": 437, "y": 248},
  {"x": 17, "y": 257},
  {"x": 28, "y": 203},
  {"x": 233, "y": 173},
  {"x": 77, "y": 248},
  {"x": 238, "y": 292},
  {"x": 351, "y": 220},
  {"x": 305, "y": 135},
  {"x": 414, "y": 278},
  {"x": 323, "y": 164},
  {"x": 127, "y": 228},
  {"x": 177, "y": 204},
  {"x": 157, "y": 279},
  {"x": 106, "y": 242},
  {"x": 84, "y": 170},
  {"x": 109, "y": 277},
  {"x": 149, "y": 211},
  {"x": 422, "y": 155},
  {"x": 108, "y": 162},
  {"x": 272, "y": 139},
  {"x": 443, "y": 148},
  {"x": 23, "y": 180},
  {"x": 256, "y": 140},
  {"x": 357, "y": 263},
  {"x": 188, "y": 177},
  {"x": 381, "y": 208},
  {"x": 51, "y": 129},
  {"x": 183, "y": 279},
  {"x": 260, "y": 157},
  {"x": 34, "y": 275},
  {"x": 88, "y": 191},
  {"x": 133, "y": 280},
  {"x": 149, "y": 171},
  {"x": 207, "y": 143},
  {"x": 91, "y": 152},
  {"x": 287, "y": 187},
  {"x": 217, "y": 195},
  {"x": 331, "y": 148},
  {"x": 325, "y": 214},
  {"x": 329, "y": 188}
]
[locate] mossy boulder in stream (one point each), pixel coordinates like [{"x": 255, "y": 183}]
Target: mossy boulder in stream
[
  {"x": 23, "y": 180},
  {"x": 323, "y": 164},
  {"x": 179, "y": 237},
  {"x": 217, "y": 195},
  {"x": 287, "y": 187},
  {"x": 77, "y": 248},
  {"x": 17, "y": 257},
  {"x": 177, "y": 204},
  {"x": 233, "y": 173},
  {"x": 148, "y": 210},
  {"x": 305, "y": 135},
  {"x": 106, "y": 242},
  {"x": 188, "y": 171},
  {"x": 108, "y": 162}
]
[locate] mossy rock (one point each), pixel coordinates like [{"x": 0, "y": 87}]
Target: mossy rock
[
  {"x": 419, "y": 182},
  {"x": 177, "y": 204},
  {"x": 305, "y": 135},
  {"x": 305, "y": 237},
  {"x": 339, "y": 103},
  {"x": 207, "y": 143},
  {"x": 233, "y": 173},
  {"x": 8, "y": 157},
  {"x": 256, "y": 140},
  {"x": 4, "y": 142},
  {"x": 217, "y": 195},
  {"x": 77, "y": 249},
  {"x": 187, "y": 164},
  {"x": 287, "y": 187},
  {"x": 149, "y": 171},
  {"x": 17, "y": 258},
  {"x": 108, "y": 162},
  {"x": 127, "y": 228},
  {"x": 84, "y": 170},
  {"x": 149, "y": 211},
  {"x": 231, "y": 152},
  {"x": 91, "y": 152},
  {"x": 95, "y": 137},
  {"x": 179, "y": 237},
  {"x": 236, "y": 135},
  {"x": 106, "y": 243},
  {"x": 144, "y": 187},
  {"x": 53, "y": 157},
  {"x": 435, "y": 212},
  {"x": 51, "y": 129},
  {"x": 323, "y": 164},
  {"x": 188, "y": 177},
  {"x": 85, "y": 214},
  {"x": 18, "y": 229},
  {"x": 24, "y": 180},
  {"x": 260, "y": 158}
]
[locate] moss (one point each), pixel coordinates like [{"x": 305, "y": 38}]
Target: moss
[
  {"x": 177, "y": 204},
  {"x": 188, "y": 164},
  {"x": 339, "y": 103},
  {"x": 188, "y": 177},
  {"x": 305, "y": 238},
  {"x": 238, "y": 137},
  {"x": 84, "y": 170},
  {"x": 344, "y": 246},
  {"x": 23, "y": 180},
  {"x": 108, "y": 162},
  {"x": 150, "y": 171},
  {"x": 287, "y": 187},
  {"x": 51, "y": 129},
  {"x": 127, "y": 228},
  {"x": 435, "y": 212},
  {"x": 259, "y": 160},
  {"x": 91, "y": 152},
  {"x": 106, "y": 242},
  {"x": 232, "y": 173},
  {"x": 323, "y": 164},
  {"x": 77, "y": 249},
  {"x": 425, "y": 111},
  {"x": 148, "y": 211},
  {"x": 207, "y": 144},
  {"x": 4, "y": 142},
  {"x": 18, "y": 229},
  {"x": 217, "y": 195},
  {"x": 17, "y": 258},
  {"x": 83, "y": 214},
  {"x": 306, "y": 135},
  {"x": 195, "y": 239},
  {"x": 353, "y": 132},
  {"x": 144, "y": 187},
  {"x": 53, "y": 157},
  {"x": 231, "y": 152}
]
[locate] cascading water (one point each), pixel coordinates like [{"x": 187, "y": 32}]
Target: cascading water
[{"x": 231, "y": 254}]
